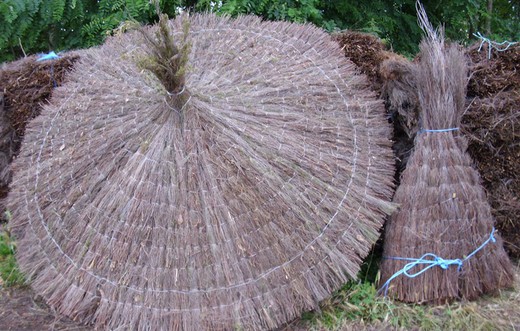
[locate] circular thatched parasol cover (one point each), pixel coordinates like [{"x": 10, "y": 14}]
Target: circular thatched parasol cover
[{"x": 241, "y": 208}]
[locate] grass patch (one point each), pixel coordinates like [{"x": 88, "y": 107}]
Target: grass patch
[
  {"x": 10, "y": 275},
  {"x": 357, "y": 306}
]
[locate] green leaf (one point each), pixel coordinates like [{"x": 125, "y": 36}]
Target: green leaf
[{"x": 58, "y": 7}]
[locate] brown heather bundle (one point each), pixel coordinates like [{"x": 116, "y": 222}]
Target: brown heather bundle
[
  {"x": 492, "y": 112},
  {"x": 443, "y": 208},
  {"x": 489, "y": 121},
  {"x": 236, "y": 199},
  {"x": 491, "y": 124},
  {"x": 399, "y": 90},
  {"x": 24, "y": 86}
]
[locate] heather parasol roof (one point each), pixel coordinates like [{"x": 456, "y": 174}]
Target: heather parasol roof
[{"x": 240, "y": 207}]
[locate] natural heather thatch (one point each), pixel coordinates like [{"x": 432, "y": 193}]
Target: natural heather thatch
[
  {"x": 399, "y": 90},
  {"x": 491, "y": 76},
  {"x": 492, "y": 122},
  {"x": 443, "y": 207},
  {"x": 239, "y": 209},
  {"x": 367, "y": 51},
  {"x": 24, "y": 86}
]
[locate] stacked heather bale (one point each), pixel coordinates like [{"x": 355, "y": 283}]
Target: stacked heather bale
[
  {"x": 389, "y": 76},
  {"x": 6, "y": 152},
  {"x": 24, "y": 86},
  {"x": 491, "y": 123},
  {"x": 399, "y": 90},
  {"x": 238, "y": 197},
  {"x": 441, "y": 244},
  {"x": 368, "y": 52}
]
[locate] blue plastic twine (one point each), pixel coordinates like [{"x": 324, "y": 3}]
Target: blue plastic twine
[
  {"x": 431, "y": 260},
  {"x": 501, "y": 47},
  {"x": 48, "y": 56}
]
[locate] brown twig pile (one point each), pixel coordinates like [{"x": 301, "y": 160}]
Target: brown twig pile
[
  {"x": 391, "y": 77},
  {"x": 24, "y": 86},
  {"x": 399, "y": 90},
  {"x": 238, "y": 209},
  {"x": 368, "y": 52},
  {"x": 491, "y": 76},
  {"x": 492, "y": 124},
  {"x": 443, "y": 207}
]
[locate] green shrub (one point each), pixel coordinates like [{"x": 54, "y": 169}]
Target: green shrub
[{"x": 10, "y": 275}]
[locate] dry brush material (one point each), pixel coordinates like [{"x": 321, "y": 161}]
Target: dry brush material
[
  {"x": 368, "y": 52},
  {"x": 241, "y": 208},
  {"x": 169, "y": 58},
  {"x": 443, "y": 207},
  {"x": 399, "y": 90},
  {"x": 22, "y": 310},
  {"x": 392, "y": 78},
  {"x": 24, "y": 86},
  {"x": 490, "y": 122},
  {"x": 491, "y": 76}
]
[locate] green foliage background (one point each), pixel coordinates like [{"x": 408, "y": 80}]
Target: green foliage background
[
  {"x": 10, "y": 275},
  {"x": 44, "y": 25}
]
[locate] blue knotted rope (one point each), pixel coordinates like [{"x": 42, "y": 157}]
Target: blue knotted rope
[
  {"x": 430, "y": 260},
  {"x": 501, "y": 47}
]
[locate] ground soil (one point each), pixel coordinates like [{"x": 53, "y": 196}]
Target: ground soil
[{"x": 22, "y": 310}]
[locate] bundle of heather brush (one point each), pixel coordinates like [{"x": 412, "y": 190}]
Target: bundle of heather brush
[{"x": 441, "y": 244}]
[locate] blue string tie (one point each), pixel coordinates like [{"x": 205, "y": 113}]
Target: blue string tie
[
  {"x": 500, "y": 47},
  {"x": 430, "y": 260},
  {"x": 48, "y": 56}
]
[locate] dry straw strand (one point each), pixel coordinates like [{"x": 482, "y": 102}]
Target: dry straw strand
[
  {"x": 254, "y": 206},
  {"x": 443, "y": 207}
]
